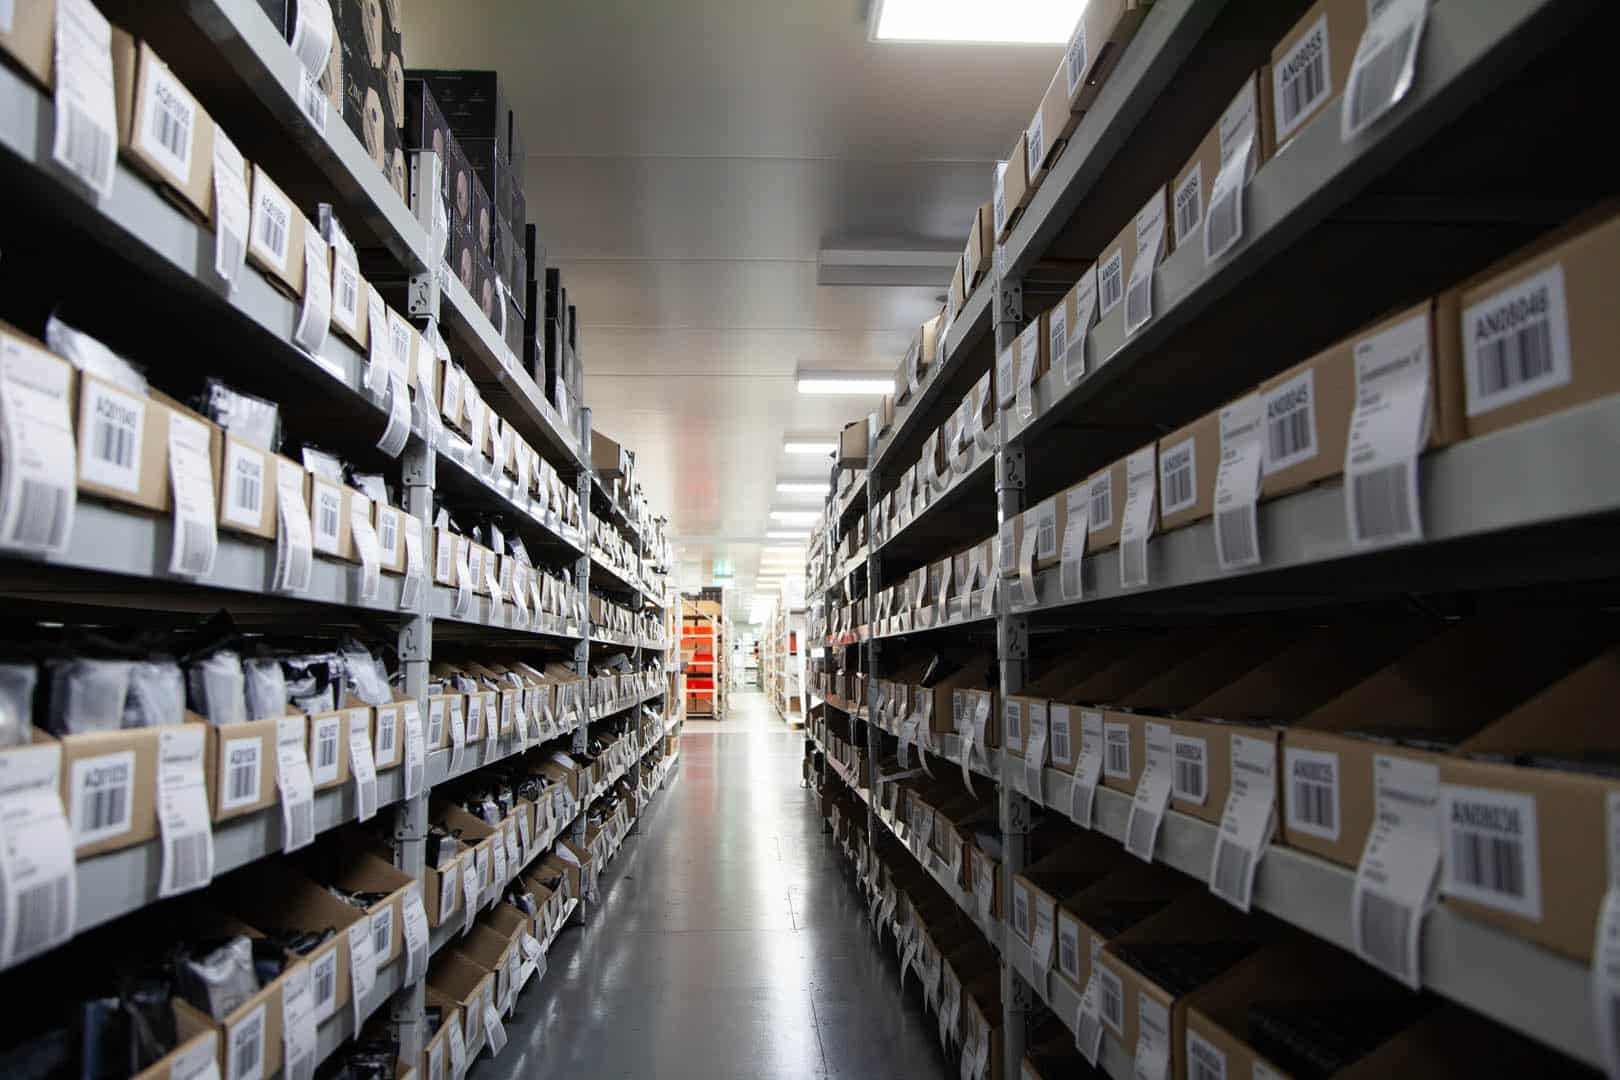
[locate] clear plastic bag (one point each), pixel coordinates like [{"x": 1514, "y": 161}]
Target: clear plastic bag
[
  {"x": 266, "y": 687},
  {"x": 218, "y": 688},
  {"x": 157, "y": 694},
  {"x": 364, "y": 674},
  {"x": 17, "y": 682},
  {"x": 254, "y": 420},
  {"x": 220, "y": 982},
  {"x": 87, "y": 695}
]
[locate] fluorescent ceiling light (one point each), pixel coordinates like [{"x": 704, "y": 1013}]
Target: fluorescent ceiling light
[
  {"x": 815, "y": 487},
  {"x": 807, "y": 448},
  {"x": 1006, "y": 22},
  {"x": 844, "y": 382},
  {"x": 779, "y": 534},
  {"x": 796, "y": 517}
]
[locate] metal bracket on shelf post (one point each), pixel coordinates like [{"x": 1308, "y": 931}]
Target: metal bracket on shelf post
[
  {"x": 1009, "y": 468},
  {"x": 422, "y": 297}
]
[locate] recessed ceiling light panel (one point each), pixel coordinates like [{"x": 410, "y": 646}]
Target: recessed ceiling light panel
[{"x": 1005, "y": 22}]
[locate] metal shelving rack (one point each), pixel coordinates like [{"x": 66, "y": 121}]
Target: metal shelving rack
[
  {"x": 1548, "y": 486},
  {"x": 173, "y": 255}
]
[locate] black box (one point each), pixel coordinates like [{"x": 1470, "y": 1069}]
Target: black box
[
  {"x": 488, "y": 159},
  {"x": 425, "y": 127},
  {"x": 371, "y": 74},
  {"x": 509, "y": 262},
  {"x": 483, "y": 221},
  {"x": 485, "y": 294},
  {"x": 472, "y": 102},
  {"x": 534, "y": 271},
  {"x": 517, "y": 151},
  {"x": 516, "y": 330}
]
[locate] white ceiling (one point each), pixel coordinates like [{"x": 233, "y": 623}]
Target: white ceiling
[{"x": 687, "y": 159}]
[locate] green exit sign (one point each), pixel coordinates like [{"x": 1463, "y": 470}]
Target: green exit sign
[{"x": 723, "y": 569}]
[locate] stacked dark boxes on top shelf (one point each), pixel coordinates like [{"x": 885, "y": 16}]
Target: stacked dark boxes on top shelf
[
  {"x": 484, "y": 177},
  {"x": 552, "y": 352}
]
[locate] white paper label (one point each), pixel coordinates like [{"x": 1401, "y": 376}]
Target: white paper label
[
  {"x": 1605, "y": 978},
  {"x": 324, "y": 735},
  {"x": 1187, "y": 202},
  {"x": 398, "y": 429},
  {"x": 295, "y": 784},
  {"x": 365, "y": 544},
  {"x": 36, "y": 443},
  {"x": 1152, "y": 793},
  {"x": 182, "y": 807},
  {"x": 1088, "y": 1030},
  {"x": 241, "y": 780},
  {"x": 1386, "y": 60},
  {"x": 112, "y": 424},
  {"x": 232, "y": 216},
  {"x": 1035, "y": 751},
  {"x": 362, "y": 765},
  {"x": 1396, "y": 878},
  {"x": 414, "y": 929},
  {"x": 1492, "y": 849},
  {"x": 195, "y": 541},
  {"x": 86, "y": 142},
  {"x": 458, "y": 1050},
  {"x": 1312, "y": 799},
  {"x": 315, "y": 314},
  {"x": 1302, "y": 79},
  {"x": 323, "y": 977},
  {"x": 1100, "y": 499},
  {"x": 1153, "y": 1039},
  {"x": 313, "y": 30},
  {"x": 1290, "y": 417},
  {"x": 474, "y": 869},
  {"x": 1149, "y": 243},
  {"x": 100, "y": 795},
  {"x": 244, "y": 484},
  {"x": 1516, "y": 342},
  {"x": 168, "y": 124},
  {"x": 38, "y": 885},
  {"x": 1075, "y": 60},
  {"x": 1191, "y": 780},
  {"x": 326, "y": 516},
  {"x": 244, "y": 1046},
  {"x": 294, "y": 536},
  {"x": 1237, "y": 485},
  {"x": 1225, "y": 225},
  {"x": 1136, "y": 523},
  {"x": 1096, "y": 749},
  {"x": 1026, "y": 569},
  {"x": 1387, "y": 431},
  {"x": 1205, "y": 1061},
  {"x": 362, "y": 967},
  {"x": 272, "y": 225},
  {"x": 1246, "y": 821},
  {"x": 298, "y": 1031}
]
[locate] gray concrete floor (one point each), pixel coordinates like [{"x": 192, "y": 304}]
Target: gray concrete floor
[{"x": 730, "y": 943}]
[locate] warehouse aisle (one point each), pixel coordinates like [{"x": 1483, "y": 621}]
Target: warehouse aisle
[{"x": 730, "y": 945}]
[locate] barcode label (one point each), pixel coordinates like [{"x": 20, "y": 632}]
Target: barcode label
[
  {"x": 382, "y": 932},
  {"x": 271, "y": 223},
  {"x": 1313, "y": 793},
  {"x": 1117, "y": 751},
  {"x": 1492, "y": 849},
  {"x": 1302, "y": 79},
  {"x": 387, "y": 530},
  {"x": 1111, "y": 282},
  {"x": 1189, "y": 204},
  {"x": 190, "y": 868},
  {"x": 1112, "y": 1005},
  {"x": 100, "y": 796},
  {"x": 1235, "y": 529},
  {"x": 88, "y": 148},
  {"x": 1100, "y": 515},
  {"x": 1133, "y": 562},
  {"x": 387, "y": 721},
  {"x": 1189, "y": 780},
  {"x": 241, "y": 773},
  {"x": 1231, "y": 870},
  {"x": 1074, "y": 59},
  {"x": 324, "y": 766},
  {"x": 1141, "y": 832},
  {"x": 115, "y": 421},
  {"x": 324, "y": 980},
  {"x": 171, "y": 116},
  {"x": 1290, "y": 422},
  {"x": 44, "y": 917},
  {"x": 196, "y": 547},
  {"x": 1383, "y": 930},
  {"x": 1375, "y": 85},
  {"x": 244, "y": 479},
  {"x": 42, "y": 515},
  {"x": 1383, "y": 504},
  {"x": 1062, "y": 752},
  {"x": 328, "y": 515},
  {"x": 245, "y": 1060},
  {"x": 1516, "y": 343},
  {"x": 1069, "y": 949},
  {"x": 1178, "y": 477},
  {"x": 1204, "y": 1061}
]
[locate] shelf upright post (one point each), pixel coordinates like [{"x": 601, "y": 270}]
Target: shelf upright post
[
  {"x": 1012, "y": 652},
  {"x": 874, "y": 648},
  {"x": 640, "y": 610},
  {"x": 582, "y": 644}
]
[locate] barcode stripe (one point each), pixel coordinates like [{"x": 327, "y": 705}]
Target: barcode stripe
[
  {"x": 1313, "y": 804},
  {"x": 1290, "y": 433},
  {"x": 1237, "y": 539},
  {"x": 42, "y": 515},
  {"x": 42, "y": 916},
  {"x": 1517, "y": 358},
  {"x": 1231, "y": 870},
  {"x": 190, "y": 861},
  {"x": 1384, "y": 928},
  {"x": 89, "y": 147},
  {"x": 1383, "y": 508},
  {"x": 1377, "y": 78},
  {"x": 1190, "y": 779},
  {"x": 1488, "y": 862},
  {"x": 1304, "y": 88}
]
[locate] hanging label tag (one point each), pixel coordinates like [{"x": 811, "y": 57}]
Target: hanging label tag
[
  {"x": 458, "y": 1051},
  {"x": 86, "y": 140},
  {"x": 1385, "y": 63},
  {"x": 315, "y": 313},
  {"x": 494, "y": 1029},
  {"x": 1139, "y": 289},
  {"x": 1224, "y": 227},
  {"x": 231, "y": 213},
  {"x": 362, "y": 968},
  {"x": 36, "y": 438},
  {"x": 379, "y": 345},
  {"x": 1088, "y": 770},
  {"x": 295, "y": 784},
  {"x": 298, "y": 1033},
  {"x": 182, "y": 804},
  {"x": 1387, "y": 432},
  {"x": 1088, "y": 1030},
  {"x": 1152, "y": 793},
  {"x": 362, "y": 764},
  {"x": 294, "y": 536},
  {"x": 415, "y": 750},
  {"x": 464, "y": 579},
  {"x": 398, "y": 430},
  {"x": 1237, "y": 484},
  {"x": 196, "y": 540},
  {"x": 415, "y": 565},
  {"x": 1026, "y": 568},
  {"x": 1043, "y": 939},
  {"x": 38, "y": 884},
  {"x": 313, "y": 31},
  {"x": 1035, "y": 751},
  {"x": 345, "y": 288},
  {"x": 473, "y": 870},
  {"x": 1605, "y": 978},
  {"x": 1070, "y": 576},
  {"x": 414, "y": 926},
  {"x": 1153, "y": 1039},
  {"x": 1395, "y": 881},
  {"x": 1246, "y": 822},
  {"x": 365, "y": 543},
  {"x": 1136, "y": 522},
  {"x": 498, "y": 852}
]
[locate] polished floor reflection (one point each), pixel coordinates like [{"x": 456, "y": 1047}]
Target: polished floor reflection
[{"x": 730, "y": 943}]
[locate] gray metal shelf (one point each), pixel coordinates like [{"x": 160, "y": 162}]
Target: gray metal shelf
[
  {"x": 972, "y": 322},
  {"x": 442, "y": 602},
  {"x": 620, "y": 578},
  {"x": 959, "y": 611},
  {"x": 926, "y": 524},
  {"x": 1540, "y": 474},
  {"x": 474, "y": 485}
]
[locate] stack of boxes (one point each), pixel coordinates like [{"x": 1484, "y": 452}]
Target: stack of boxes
[{"x": 483, "y": 154}]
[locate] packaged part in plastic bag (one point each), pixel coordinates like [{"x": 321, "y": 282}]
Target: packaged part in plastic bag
[
  {"x": 87, "y": 695},
  {"x": 266, "y": 689},
  {"x": 17, "y": 682},
  {"x": 157, "y": 694},
  {"x": 217, "y": 688}
]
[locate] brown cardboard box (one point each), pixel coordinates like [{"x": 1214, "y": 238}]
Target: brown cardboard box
[
  {"x": 470, "y": 987},
  {"x": 1198, "y": 918},
  {"x": 325, "y": 498},
  {"x": 328, "y": 748},
  {"x": 437, "y": 1045},
  {"x": 274, "y": 894},
  {"x": 1080, "y": 863},
  {"x": 30, "y": 39},
  {"x": 1436, "y": 696},
  {"x": 1216, "y": 1020},
  {"x": 194, "y": 1030},
  {"x": 109, "y": 787},
  {"x": 246, "y": 478},
  {"x": 275, "y": 220},
  {"x": 1100, "y": 37},
  {"x": 1049, "y": 129},
  {"x": 852, "y": 444},
  {"x": 123, "y": 442},
  {"x": 981, "y": 247},
  {"x": 364, "y": 872},
  {"x": 1131, "y": 892},
  {"x": 1089, "y": 656},
  {"x": 239, "y": 766},
  {"x": 1188, "y": 460},
  {"x": 1526, "y": 846},
  {"x": 1118, "y": 261},
  {"x": 1308, "y": 407},
  {"x": 1190, "y": 191},
  {"x": 162, "y": 130},
  {"x": 491, "y": 950},
  {"x": 1256, "y": 704},
  {"x": 1065, "y": 336},
  {"x": 1538, "y": 334},
  {"x": 441, "y": 890},
  {"x": 1311, "y": 64},
  {"x": 1105, "y": 492},
  {"x": 1012, "y": 189},
  {"x": 607, "y": 456}
]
